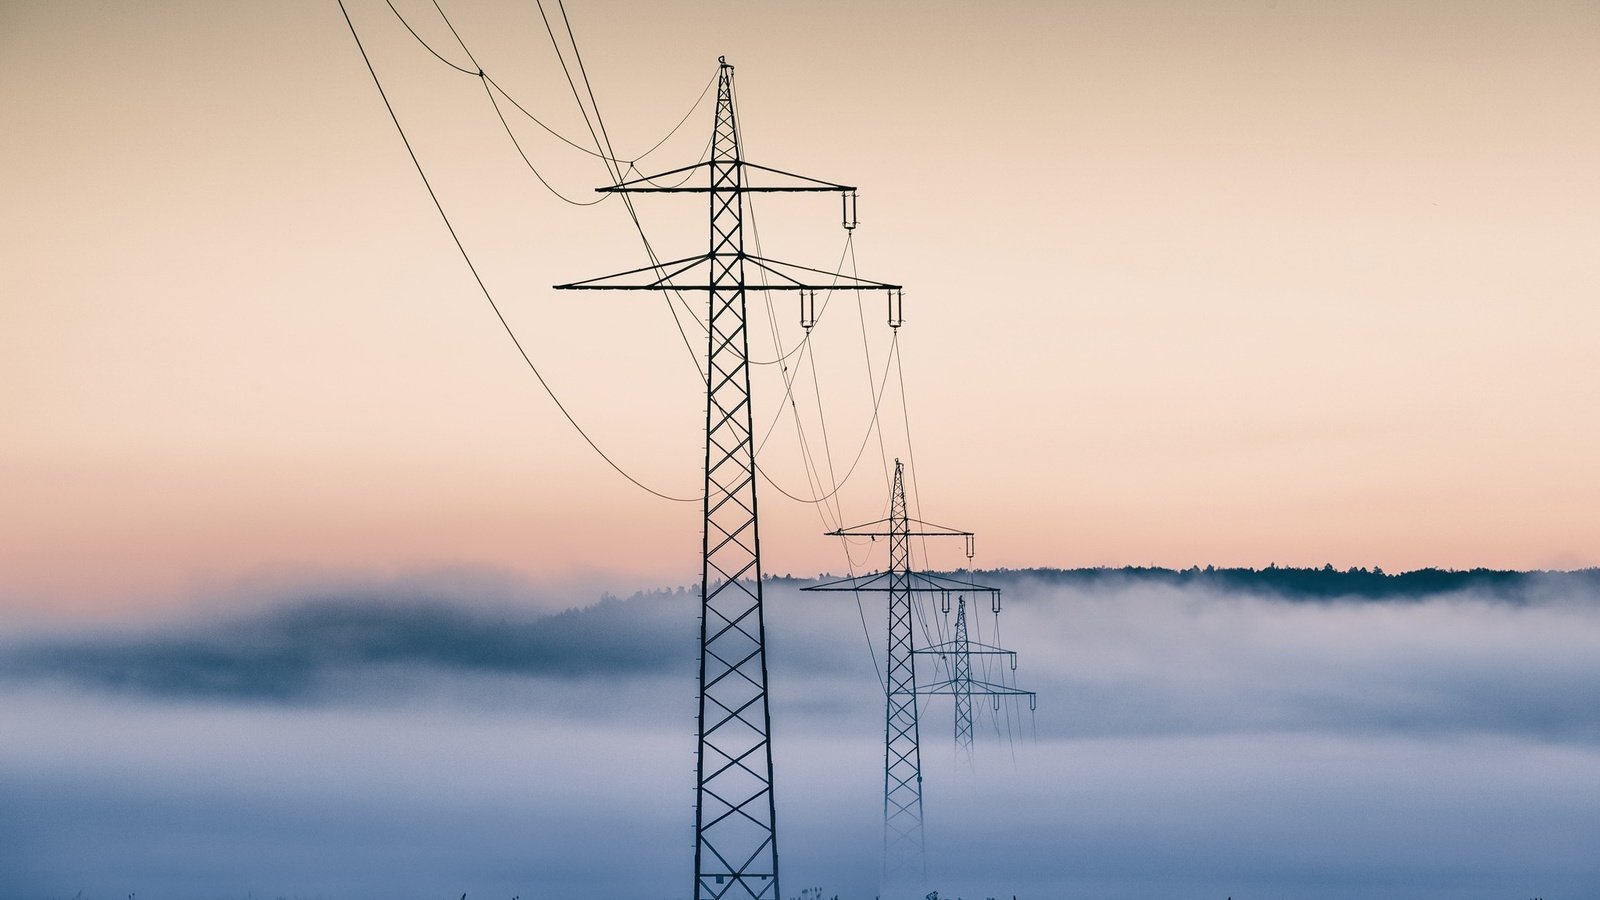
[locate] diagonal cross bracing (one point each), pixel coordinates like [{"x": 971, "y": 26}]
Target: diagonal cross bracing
[
  {"x": 903, "y": 850},
  {"x": 735, "y": 812}
]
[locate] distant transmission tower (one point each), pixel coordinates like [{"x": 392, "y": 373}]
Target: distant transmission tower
[
  {"x": 961, "y": 682},
  {"x": 961, "y": 685},
  {"x": 904, "y": 842},
  {"x": 736, "y": 847}
]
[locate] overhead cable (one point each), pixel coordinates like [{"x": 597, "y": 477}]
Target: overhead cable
[
  {"x": 479, "y": 278},
  {"x": 613, "y": 169}
]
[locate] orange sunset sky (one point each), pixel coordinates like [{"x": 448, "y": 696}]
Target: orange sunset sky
[{"x": 1186, "y": 283}]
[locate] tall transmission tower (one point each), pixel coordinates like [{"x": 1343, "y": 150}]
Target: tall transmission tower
[
  {"x": 736, "y": 841},
  {"x": 904, "y": 840}
]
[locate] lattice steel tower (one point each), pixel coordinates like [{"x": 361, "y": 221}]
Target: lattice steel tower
[
  {"x": 736, "y": 847},
  {"x": 957, "y": 654},
  {"x": 961, "y": 682},
  {"x": 903, "y": 838},
  {"x": 904, "y": 842}
]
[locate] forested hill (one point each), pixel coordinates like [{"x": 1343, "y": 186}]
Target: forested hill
[
  {"x": 1326, "y": 582},
  {"x": 1315, "y": 584}
]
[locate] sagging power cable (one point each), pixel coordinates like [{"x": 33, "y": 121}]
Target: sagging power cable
[
  {"x": 487, "y": 295},
  {"x": 613, "y": 168}
]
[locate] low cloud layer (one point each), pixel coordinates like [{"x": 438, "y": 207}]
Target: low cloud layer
[
  {"x": 1194, "y": 736},
  {"x": 309, "y": 650},
  {"x": 1135, "y": 656}
]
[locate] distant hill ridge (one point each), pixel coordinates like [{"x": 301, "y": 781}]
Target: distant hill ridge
[{"x": 1325, "y": 583}]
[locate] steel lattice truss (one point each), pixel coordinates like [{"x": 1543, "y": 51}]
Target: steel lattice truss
[
  {"x": 904, "y": 844},
  {"x": 736, "y": 848},
  {"x": 903, "y": 839},
  {"x": 961, "y": 685}
]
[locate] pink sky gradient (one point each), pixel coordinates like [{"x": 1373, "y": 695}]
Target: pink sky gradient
[{"x": 1229, "y": 283}]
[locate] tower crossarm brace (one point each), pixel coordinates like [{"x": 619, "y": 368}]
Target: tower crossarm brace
[
  {"x": 698, "y": 273},
  {"x": 783, "y": 183},
  {"x": 929, "y": 582},
  {"x": 974, "y": 649},
  {"x": 981, "y": 688}
]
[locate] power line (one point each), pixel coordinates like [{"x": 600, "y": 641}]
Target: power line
[
  {"x": 540, "y": 122},
  {"x": 531, "y": 167},
  {"x": 883, "y": 384},
  {"x": 478, "y": 72},
  {"x": 814, "y": 484},
  {"x": 809, "y": 465},
  {"x": 606, "y": 152},
  {"x": 866, "y": 351},
  {"x": 614, "y": 170},
  {"x": 578, "y": 55},
  {"x": 429, "y": 47},
  {"x": 599, "y": 135},
  {"x": 489, "y": 92},
  {"x": 479, "y": 278},
  {"x": 806, "y": 345},
  {"x": 657, "y": 145},
  {"x": 911, "y": 453}
]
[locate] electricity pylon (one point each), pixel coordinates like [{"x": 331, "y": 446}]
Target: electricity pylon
[
  {"x": 958, "y": 653},
  {"x": 736, "y": 846},
  {"x": 904, "y": 843}
]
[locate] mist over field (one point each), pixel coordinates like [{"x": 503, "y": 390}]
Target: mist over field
[{"x": 1197, "y": 735}]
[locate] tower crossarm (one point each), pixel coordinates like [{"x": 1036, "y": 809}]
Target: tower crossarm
[
  {"x": 987, "y": 689},
  {"x": 700, "y": 273},
  {"x": 646, "y": 184},
  {"x": 977, "y": 689},
  {"x": 974, "y": 649},
  {"x": 914, "y": 581},
  {"x": 914, "y": 528}
]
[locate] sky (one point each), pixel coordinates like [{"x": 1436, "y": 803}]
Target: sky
[
  {"x": 301, "y": 568},
  {"x": 1231, "y": 283},
  {"x": 391, "y": 740}
]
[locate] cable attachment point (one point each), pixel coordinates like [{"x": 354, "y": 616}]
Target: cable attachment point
[
  {"x": 808, "y": 308},
  {"x": 848, "y": 200},
  {"x": 897, "y": 316}
]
